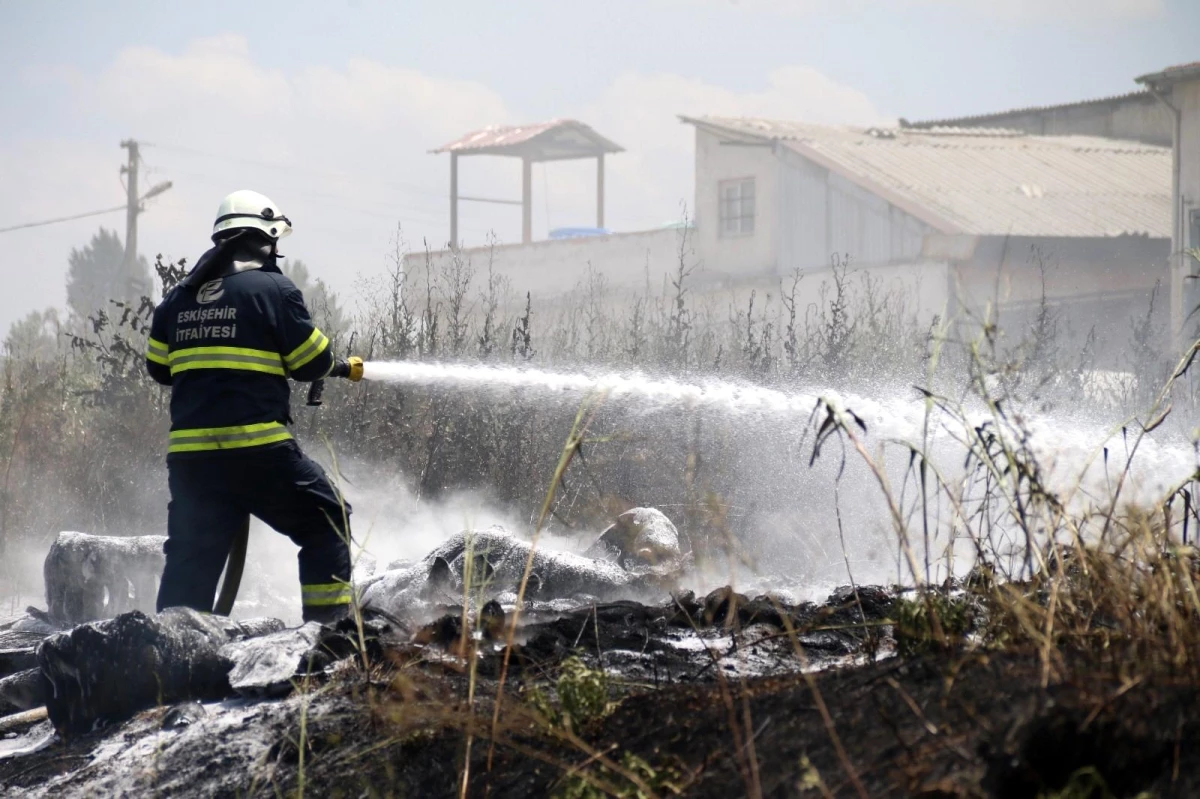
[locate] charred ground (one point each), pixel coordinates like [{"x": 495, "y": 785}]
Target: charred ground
[{"x": 605, "y": 701}]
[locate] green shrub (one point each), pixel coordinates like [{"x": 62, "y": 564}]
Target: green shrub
[
  {"x": 583, "y": 692},
  {"x": 916, "y": 633}
]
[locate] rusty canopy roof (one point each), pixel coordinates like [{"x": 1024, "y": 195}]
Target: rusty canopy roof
[
  {"x": 556, "y": 140},
  {"x": 987, "y": 182}
]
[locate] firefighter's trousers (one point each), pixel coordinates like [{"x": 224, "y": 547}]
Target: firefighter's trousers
[{"x": 211, "y": 499}]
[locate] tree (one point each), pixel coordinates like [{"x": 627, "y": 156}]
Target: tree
[
  {"x": 36, "y": 337},
  {"x": 98, "y": 273},
  {"x": 321, "y": 300},
  {"x": 297, "y": 272}
]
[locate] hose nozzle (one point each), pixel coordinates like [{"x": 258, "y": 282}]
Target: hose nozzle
[{"x": 351, "y": 369}]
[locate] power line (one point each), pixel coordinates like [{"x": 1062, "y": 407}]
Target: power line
[
  {"x": 422, "y": 214},
  {"x": 426, "y": 215},
  {"x": 408, "y": 187},
  {"x": 132, "y": 206},
  {"x": 114, "y": 209},
  {"x": 315, "y": 194}
]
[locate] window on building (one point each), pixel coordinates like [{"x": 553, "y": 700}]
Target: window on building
[
  {"x": 737, "y": 207},
  {"x": 1195, "y": 238}
]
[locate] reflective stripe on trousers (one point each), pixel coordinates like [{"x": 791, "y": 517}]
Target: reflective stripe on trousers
[
  {"x": 326, "y": 594},
  {"x": 235, "y": 437}
]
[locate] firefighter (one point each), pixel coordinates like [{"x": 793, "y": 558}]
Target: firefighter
[{"x": 226, "y": 340}]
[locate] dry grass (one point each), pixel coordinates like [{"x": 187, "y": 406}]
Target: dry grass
[{"x": 1098, "y": 578}]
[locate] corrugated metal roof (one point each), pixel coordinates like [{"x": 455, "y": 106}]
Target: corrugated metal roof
[
  {"x": 541, "y": 141},
  {"x": 1032, "y": 109},
  {"x": 960, "y": 181},
  {"x": 1177, "y": 72}
]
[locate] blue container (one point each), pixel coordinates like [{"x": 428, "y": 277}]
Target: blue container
[{"x": 578, "y": 232}]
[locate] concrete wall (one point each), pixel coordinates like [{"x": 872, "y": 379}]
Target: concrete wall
[
  {"x": 1009, "y": 270},
  {"x": 749, "y": 254},
  {"x": 1100, "y": 284},
  {"x": 553, "y": 268},
  {"x": 1137, "y": 117},
  {"x": 641, "y": 264},
  {"x": 917, "y": 288}
]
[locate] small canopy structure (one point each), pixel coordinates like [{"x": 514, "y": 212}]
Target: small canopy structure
[{"x": 556, "y": 140}]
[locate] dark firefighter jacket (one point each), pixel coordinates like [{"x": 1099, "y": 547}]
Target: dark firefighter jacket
[{"x": 227, "y": 349}]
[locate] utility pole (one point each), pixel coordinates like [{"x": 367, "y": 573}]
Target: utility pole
[
  {"x": 136, "y": 281},
  {"x": 131, "y": 202},
  {"x": 131, "y": 288}
]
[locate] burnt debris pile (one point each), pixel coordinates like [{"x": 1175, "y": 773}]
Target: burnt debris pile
[
  {"x": 110, "y": 669},
  {"x": 691, "y": 639},
  {"x": 197, "y": 688},
  {"x": 638, "y": 555},
  {"x": 104, "y": 670},
  {"x": 107, "y": 671},
  {"x": 92, "y": 577},
  {"x": 21, "y": 685}
]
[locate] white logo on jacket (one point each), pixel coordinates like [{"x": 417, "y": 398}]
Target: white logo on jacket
[{"x": 211, "y": 291}]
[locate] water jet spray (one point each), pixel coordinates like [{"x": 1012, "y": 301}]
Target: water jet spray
[{"x": 771, "y": 421}]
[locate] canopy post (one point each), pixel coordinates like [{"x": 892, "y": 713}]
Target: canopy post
[
  {"x": 526, "y": 200},
  {"x": 600, "y": 191}
]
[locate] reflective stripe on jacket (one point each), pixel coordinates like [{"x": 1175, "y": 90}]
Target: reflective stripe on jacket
[{"x": 235, "y": 437}]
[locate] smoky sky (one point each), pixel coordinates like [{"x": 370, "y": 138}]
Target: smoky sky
[{"x": 331, "y": 108}]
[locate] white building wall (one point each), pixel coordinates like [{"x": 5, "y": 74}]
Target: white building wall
[
  {"x": 742, "y": 255},
  {"x": 822, "y": 215},
  {"x": 805, "y": 215},
  {"x": 1187, "y": 100},
  {"x": 1185, "y": 96},
  {"x": 804, "y": 240}
]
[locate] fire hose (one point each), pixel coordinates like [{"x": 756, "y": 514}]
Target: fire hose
[{"x": 350, "y": 369}]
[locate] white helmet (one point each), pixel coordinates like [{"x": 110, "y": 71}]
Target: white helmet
[{"x": 249, "y": 209}]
